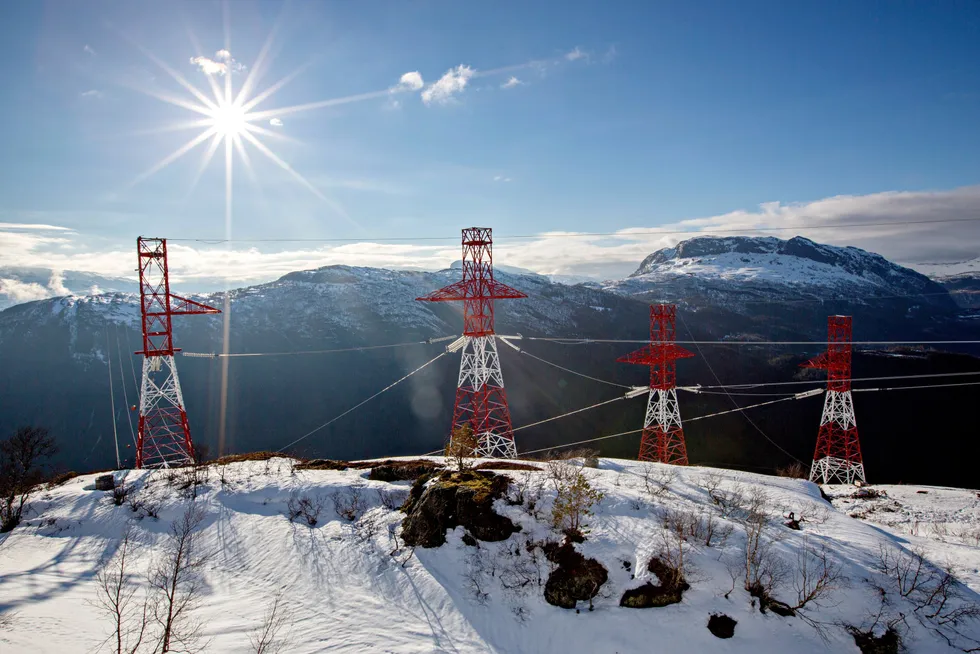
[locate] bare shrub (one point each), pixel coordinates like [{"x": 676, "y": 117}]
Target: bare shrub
[
  {"x": 306, "y": 507},
  {"x": 793, "y": 470},
  {"x": 762, "y": 569},
  {"x": 462, "y": 446},
  {"x": 731, "y": 503},
  {"x": 816, "y": 577},
  {"x": 390, "y": 500},
  {"x": 21, "y": 470},
  {"x": 589, "y": 457},
  {"x": 480, "y": 566},
  {"x": 710, "y": 530},
  {"x": 116, "y": 598},
  {"x": 673, "y": 547},
  {"x": 266, "y": 639},
  {"x": 711, "y": 482},
  {"x": 348, "y": 503},
  {"x": 176, "y": 585},
  {"x": 526, "y": 490},
  {"x": 575, "y": 497},
  {"x": 658, "y": 479},
  {"x": 142, "y": 507},
  {"x": 521, "y": 570}
]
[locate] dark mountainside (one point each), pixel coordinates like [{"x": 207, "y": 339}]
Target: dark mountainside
[{"x": 53, "y": 360}]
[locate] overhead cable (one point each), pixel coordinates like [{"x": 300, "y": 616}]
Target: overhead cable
[
  {"x": 215, "y": 355},
  {"x": 362, "y": 403}
]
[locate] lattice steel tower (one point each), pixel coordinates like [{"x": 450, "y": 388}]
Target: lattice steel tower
[
  {"x": 663, "y": 434},
  {"x": 838, "y": 453},
  {"x": 164, "y": 439},
  {"x": 481, "y": 400}
]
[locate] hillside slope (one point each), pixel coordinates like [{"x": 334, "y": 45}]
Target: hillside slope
[{"x": 353, "y": 586}]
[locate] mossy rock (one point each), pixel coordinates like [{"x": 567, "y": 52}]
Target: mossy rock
[
  {"x": 402, "y": 470},
  {"x": 669, "y": 590},
  {"x": 460, "y": 498},
  {"x": 576, "y": 579}
]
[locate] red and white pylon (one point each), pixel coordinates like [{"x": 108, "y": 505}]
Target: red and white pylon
[
  {"x": 837, "y": 457},
  {"x": 481, "y": 400},
  {"x": 663, "y": 433},
  {"x": 164, "y": 437}
]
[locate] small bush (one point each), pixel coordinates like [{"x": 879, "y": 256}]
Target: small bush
[
  {"x": 143, "y": 508},
  {"x": 306, "y": 507},
  {"x": 575, "y": 497},
  {"x": 462, "y": 446},
  {"x": 349, "y": 503}
]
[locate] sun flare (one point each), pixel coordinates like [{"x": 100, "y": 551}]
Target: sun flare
[{"x": 229, "y": 119}]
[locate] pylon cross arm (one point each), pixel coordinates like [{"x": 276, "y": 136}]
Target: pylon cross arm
[
  {"x": 653, "y": 354},
  {"x": 181, "y": 306}
]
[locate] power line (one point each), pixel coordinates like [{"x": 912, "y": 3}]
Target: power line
[
  {"x": 541, "y": 422},
  {"x": 587, "y": 341},
  {"x": 906, "y": 388},
  {"x": 853, "y": 379},
  {"x": 733, "y": 401},
  {"x": 622, "y": 235},
  {"x": 362, "y": 403},
  {"x": 555, "y": 365},
  {"x": 214, "y": 355}
]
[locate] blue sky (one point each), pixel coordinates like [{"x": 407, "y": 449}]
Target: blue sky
[{"x": 622, "y": 116}]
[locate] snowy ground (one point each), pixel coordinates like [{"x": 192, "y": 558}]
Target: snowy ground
[{"x": 349, "y": 587}]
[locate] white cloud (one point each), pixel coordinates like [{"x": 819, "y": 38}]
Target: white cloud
[
  {"x": 409, "y": 82},
  {"x": 92, "y": 93},
  {"x": 603, "y": 257},
  {"x": 450, "y": 84},
  {"x": 577, "y": 54},
  {"x": 222, "y": 64},
  {"x": 19, "y": 291},
  {"x": 501, "y": 178},
  {"x": 275, "y": 122},
  {"x": 511, "y": 83},
  {"x": 88, "y": 49}
]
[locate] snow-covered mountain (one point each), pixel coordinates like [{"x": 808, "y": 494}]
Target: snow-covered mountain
[
  {"x": 736, "y": 271},
  {"x": 348, "y": 582}
]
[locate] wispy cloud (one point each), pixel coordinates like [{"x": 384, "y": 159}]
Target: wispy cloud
[
  {"x": 222, "y": 64},
  {"x": 92, "y": 93},
  {"x": 449, "y": 85},
  {"x": 610, "y": 54},
  {"x": 36, "y": 227},
  {"x": 87, "y": 49},
  {"x": 501, "y": 178},
  {"x": 576, "y": 54},
  {"x": 511, "y": 83},
  {"x": 275, "y": 122}
]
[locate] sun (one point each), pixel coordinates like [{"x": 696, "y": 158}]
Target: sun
[{"x": 229, "y": 119}]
